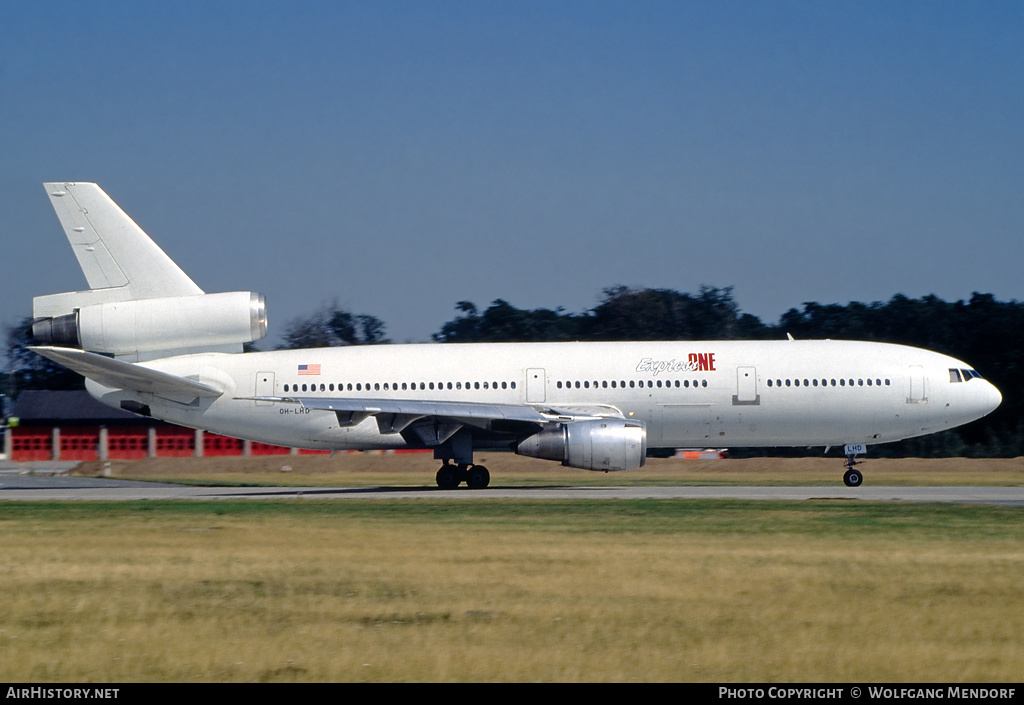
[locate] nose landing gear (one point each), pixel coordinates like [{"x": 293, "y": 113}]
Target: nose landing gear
[{"x": 852, "y": 477}]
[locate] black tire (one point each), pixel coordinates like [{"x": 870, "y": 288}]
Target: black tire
[
  {"x": 853, "y": 478},
  {"x": 448, "y": 477},
  {"x": 477, "y": 478}
]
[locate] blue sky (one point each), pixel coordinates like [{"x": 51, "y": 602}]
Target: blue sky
[{"x": 398, "y": 156}]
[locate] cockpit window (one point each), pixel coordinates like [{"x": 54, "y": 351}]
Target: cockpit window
[{"x": 963, "y": 375}]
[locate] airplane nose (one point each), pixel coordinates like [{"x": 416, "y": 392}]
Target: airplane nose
[{"x": 993, "y": 398}]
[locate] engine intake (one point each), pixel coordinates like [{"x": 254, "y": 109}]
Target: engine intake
[
  {"x": 594, "y": 444},
  {"x": 170, "y": 323}
]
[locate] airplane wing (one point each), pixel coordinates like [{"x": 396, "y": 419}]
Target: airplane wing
[
  {"x": 467, "y": 412},
  {"x": 433, "y": 422},
  {"x": 449, "y": 409},
  {"x": 125, "y": 375}
]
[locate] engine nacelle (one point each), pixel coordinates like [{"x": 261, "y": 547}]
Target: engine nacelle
[
  {"x": 148, "y": 325},
  {"x": 594, "y": 444}
]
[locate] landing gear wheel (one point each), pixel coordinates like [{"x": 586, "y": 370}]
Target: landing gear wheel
[
  {"x": 448, "y": 477},
  {"x": 853, "y": 478},
  {"x": 477, "y": 477}
]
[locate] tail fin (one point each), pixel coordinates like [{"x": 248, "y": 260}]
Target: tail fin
[
  {"x": 140, "y": 304},
  {"x": 119, "y": 260}
]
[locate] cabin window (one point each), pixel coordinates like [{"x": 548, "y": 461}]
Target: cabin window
[{"x": 954, "y": 376}]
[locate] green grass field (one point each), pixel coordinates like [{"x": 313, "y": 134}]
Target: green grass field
[
  {"x": 426, "y": 590},
  {"x": 508, "y": 470}
]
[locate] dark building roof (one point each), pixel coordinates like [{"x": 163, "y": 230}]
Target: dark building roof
[{"x": 45, "y": 406}]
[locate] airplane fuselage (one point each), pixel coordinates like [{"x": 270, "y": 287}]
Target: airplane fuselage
[
  {"x": 149, "y": 340},
  {"x": 718, "y": 393}
]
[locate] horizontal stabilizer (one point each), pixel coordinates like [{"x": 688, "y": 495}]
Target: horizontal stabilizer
[{"x": 117, "y": 374}]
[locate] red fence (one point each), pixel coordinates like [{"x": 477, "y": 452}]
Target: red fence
[{"x": 126, "y": 443}]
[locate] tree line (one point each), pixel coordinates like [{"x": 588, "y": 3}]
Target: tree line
[{"x": 986, "y": 333}]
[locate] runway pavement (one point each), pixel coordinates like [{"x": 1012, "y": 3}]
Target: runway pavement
[{"x": 47, "y": 487}]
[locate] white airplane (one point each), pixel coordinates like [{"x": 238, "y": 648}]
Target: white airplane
[{"x": 149, "y": 340}]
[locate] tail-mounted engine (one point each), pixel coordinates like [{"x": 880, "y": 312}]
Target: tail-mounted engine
[
  {"x": 593, "y": 444},
  {"x": 205, "y": 321}
]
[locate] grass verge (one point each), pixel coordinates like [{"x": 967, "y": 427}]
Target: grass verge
[
  {"x": 651, "y": 590},
  {"x": 508, "y": 470}
]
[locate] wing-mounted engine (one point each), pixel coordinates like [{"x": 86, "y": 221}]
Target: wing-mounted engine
[
  {"x": 136, "y": 327},
  {"x": 591, "y": 444}
]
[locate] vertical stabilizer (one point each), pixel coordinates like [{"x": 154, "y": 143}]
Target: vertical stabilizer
[
  {"x": 112, "y": 250},
  {"x": 140, "y": 305}
]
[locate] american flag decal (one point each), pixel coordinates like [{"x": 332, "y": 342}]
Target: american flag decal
[{"x": 309, "y": 369}]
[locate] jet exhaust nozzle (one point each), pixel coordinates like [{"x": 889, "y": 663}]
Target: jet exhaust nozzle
[{"x": 59, "y": 330}]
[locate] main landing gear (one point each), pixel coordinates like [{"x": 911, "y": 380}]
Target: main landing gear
[{"x": 451, "y": 476}]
